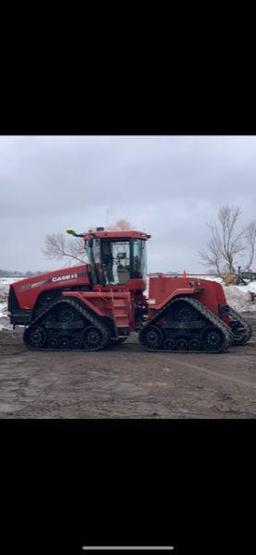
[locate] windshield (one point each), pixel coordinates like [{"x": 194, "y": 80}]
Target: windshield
[{"x": 114, "y": 262}]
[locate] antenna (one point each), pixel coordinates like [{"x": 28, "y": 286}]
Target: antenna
[{"x": 106, "y": 219}]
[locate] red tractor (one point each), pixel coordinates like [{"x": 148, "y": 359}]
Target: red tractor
[{"x": 97, "y": 304}]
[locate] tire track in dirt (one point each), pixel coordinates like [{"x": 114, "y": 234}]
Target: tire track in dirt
[{"x": 214, "y": 374}]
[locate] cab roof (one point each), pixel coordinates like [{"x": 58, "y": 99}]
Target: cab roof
[{"x": 110, "y": 234}]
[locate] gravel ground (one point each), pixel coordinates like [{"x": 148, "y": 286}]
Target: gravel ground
[{"x": 126, "y": 382}]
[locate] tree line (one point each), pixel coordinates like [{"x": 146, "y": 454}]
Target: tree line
[
  {"x": 16, "y": 273},
  {"x": 227, "y": 247}
]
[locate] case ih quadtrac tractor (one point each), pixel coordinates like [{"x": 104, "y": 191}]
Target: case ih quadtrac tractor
[{"x": 97, "y": 304}]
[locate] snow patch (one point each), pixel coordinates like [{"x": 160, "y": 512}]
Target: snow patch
[
  {"x": 239, "y": 297},
  {"x": 4, "y": 290}
]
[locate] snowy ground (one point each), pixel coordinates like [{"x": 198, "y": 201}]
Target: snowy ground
[
  {"x": 238, "y": 296},
  {"x": 4, "y": 289}
]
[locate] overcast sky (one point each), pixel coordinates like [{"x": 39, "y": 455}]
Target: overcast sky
[{"x": 167, "y": 186}]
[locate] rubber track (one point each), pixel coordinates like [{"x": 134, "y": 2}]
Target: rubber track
[
  {"x": 247, "y": 331},
  {"x": 85, "y": 313},
  {"x": 208, "y": 314}
]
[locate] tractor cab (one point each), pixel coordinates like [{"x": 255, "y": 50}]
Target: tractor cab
[{"x": 115, "y": 257}]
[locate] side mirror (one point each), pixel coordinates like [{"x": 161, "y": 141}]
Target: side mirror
[{"x": 70, "y": 231}]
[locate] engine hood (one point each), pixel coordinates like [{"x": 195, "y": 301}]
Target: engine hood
[{"x": 54, "y": 276}]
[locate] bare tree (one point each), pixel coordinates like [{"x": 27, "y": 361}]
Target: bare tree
[
  {"x": 58, "y": 246},
  {"x": 212, "y": 256},
  {"x": 226, "y": 241},
  {"x": 120, "y": 225},
  {"x": 250, "y": 236}
]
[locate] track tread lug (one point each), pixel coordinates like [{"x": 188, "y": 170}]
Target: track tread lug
[{"x": 208, "y": 314}]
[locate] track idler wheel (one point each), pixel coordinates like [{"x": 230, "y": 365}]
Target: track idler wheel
[
  {"x": 151, "y": 337},
  {"x": 94, "y": 339},
  {"x": 35, "y": 337},
  {"x": 212, "y": 340}
]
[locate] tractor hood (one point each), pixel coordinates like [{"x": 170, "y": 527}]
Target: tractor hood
[
  {"x": 28, "y": 290},
  {"x": 47, "y": 278}
]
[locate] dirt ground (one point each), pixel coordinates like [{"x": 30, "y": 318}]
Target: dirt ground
[{"x": 126, "y": 382}]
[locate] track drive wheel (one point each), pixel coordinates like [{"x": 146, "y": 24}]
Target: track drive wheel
[
  {"x": 64, "y": 313},
  {"x": 183, "y": 312}
]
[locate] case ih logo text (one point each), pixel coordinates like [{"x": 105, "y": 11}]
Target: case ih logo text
[{"x": 61, "y": 278}]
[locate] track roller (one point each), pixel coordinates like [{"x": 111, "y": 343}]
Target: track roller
[
  {"x": 64, "y": 342},
  {"x": 181, "y": 344},
  {"x": 194, "y": 345},
  {"x": 52, "y": 343},
  {"x": 169, "y": 345},
  {"x": 76, "y": 343}
]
